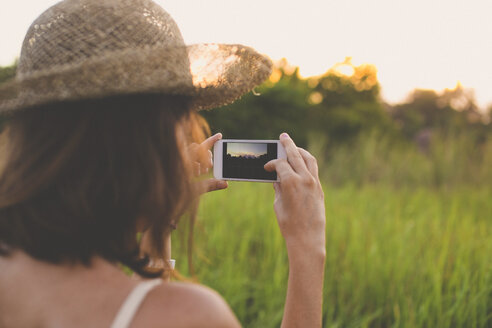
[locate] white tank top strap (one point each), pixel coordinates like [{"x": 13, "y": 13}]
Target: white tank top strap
[{"x": 132, "y": 303}]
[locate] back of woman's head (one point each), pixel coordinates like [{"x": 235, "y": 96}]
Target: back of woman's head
[{"x": 81, "y": 179}]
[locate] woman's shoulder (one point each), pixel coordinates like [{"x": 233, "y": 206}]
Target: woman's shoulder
[{"x": 174, "y": 304}]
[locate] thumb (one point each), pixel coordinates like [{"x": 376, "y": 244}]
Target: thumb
[
  {"x": 208, "y": 185},
  {"x": 271, "y": 165}
]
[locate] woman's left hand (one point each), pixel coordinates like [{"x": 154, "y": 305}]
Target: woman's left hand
[{"x": 201, "y": 156}]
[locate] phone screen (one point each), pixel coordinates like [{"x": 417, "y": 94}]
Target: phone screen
[{"x": 245, "y": 160}]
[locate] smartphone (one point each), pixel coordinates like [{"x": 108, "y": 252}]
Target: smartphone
[{"x": 243, "y": 160}]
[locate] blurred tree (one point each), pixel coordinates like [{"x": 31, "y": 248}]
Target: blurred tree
[
  {"x": 346, "y": 102},
  {"x": 339, "y": 105},
  {"x": 452, "y": 111},
  {"x": 346, "y": 84},
  {"x": 279, "y": 105}
]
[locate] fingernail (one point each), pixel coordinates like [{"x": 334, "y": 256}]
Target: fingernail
[
  {"x": 222, "y": 184},
  {"x": 284, "y": 135},
  {"x": 218, "y": 135}
]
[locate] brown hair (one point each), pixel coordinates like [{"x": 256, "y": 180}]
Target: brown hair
[{"x": 80, "y": 178}]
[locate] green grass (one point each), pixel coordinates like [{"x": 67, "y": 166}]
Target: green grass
[
  {"x": 451, "y": 161},
  {"x": 416, "y": 257},
  {"x": 409, "y": 237}
]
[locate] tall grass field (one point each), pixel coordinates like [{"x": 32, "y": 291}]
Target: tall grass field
[
  {"x": 418, "y": 256},
  {"x": 395, "y": 258}
]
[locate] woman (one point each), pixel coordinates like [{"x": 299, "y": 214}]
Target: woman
[{"x": 102, "y": 114}]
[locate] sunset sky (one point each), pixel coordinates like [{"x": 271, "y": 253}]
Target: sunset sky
[
  {"x": 244, "y": 148},
  {"x": 418, "y": 43}
]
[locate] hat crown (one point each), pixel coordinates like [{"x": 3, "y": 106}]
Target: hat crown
[{"x": 73, "y": 31}]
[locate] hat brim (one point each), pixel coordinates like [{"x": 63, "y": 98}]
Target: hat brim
[{"x": 212, "y": 75}]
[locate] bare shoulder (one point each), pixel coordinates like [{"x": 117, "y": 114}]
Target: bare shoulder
[{"x": 185, "y": 305}]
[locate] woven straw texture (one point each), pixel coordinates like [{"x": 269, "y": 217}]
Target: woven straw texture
[{"x": 87, "y": 49}]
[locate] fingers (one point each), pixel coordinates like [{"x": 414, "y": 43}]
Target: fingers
[
  {"x": 278, "y": 165},
  {"x": 196, "y": 169},
  {"x": 276, "y": 187},
  {"x": 205, "y": 155},
  {"x": 205, "y": 162},
  {"x": 208, "y": 185},
  {"x": 201, "y": 155},
  {"x": 209, "y": 142},
  {"x": 292, "y": 167},
  {"x": 293, "y": 156},
  {"x": 284, "y": 170},
  {"x": 210, "y": 160},
  {"x": 310, "y": 161},
  {"x": 193, "y": 151},
  {"x": 200, "y": 169}
]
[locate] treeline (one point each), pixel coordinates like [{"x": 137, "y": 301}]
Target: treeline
[
  {"x": 340, "y": 107},
  {"x": 434, "y": 139},
  {"x": 341, "y": 117}
]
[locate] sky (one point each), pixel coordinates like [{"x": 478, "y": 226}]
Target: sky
[
  {"x": 432, "y": 44},
  {"x": 246, "y": 148}
]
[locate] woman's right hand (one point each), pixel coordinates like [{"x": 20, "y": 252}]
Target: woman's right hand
[
  {"x": 300, "y": 209},
  {"x": 299, "y": 200}
]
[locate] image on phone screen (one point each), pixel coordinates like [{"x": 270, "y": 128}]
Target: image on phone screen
[{"x": 244, "y": 160}]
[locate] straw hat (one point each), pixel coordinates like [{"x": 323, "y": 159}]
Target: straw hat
[{"x": 86, "y": 49}]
